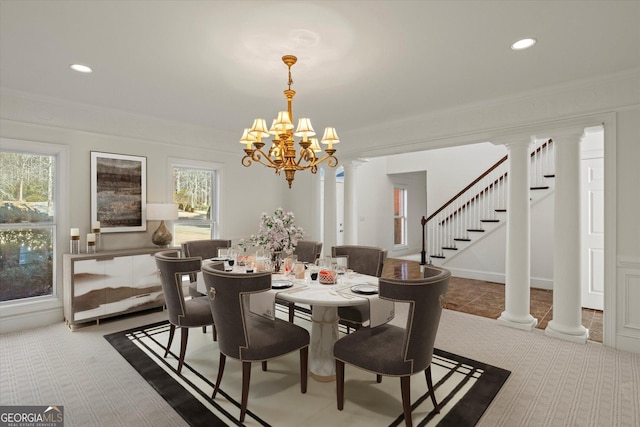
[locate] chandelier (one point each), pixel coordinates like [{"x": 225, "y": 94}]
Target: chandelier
[{"x": 282, "y": 154}]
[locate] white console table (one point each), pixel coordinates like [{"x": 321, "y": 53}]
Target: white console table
[{"x": 110, "y": 283}]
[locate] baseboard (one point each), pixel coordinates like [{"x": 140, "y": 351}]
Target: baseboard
[
  {"x": 487, "y": 276},
  {"x": 30, "y": 320}
]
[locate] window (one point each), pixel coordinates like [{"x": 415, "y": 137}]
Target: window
[
  {"x": 399, "y": 216},
  {"x": 194, "y": 192},
  {"x": 27, "y": 225}
]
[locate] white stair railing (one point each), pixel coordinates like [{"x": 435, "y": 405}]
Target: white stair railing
[{"x": 481, "y": 202}]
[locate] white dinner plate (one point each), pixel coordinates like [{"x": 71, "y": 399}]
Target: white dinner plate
[
  {"x": 219, "y": 259},
  {"x": 281, "y": 284},
  {"x": 365, "y": 289}
]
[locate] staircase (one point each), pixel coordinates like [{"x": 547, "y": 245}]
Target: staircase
[{"x": 481, "y": 206}]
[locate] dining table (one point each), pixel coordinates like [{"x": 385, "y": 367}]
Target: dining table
[{"x": 350, "y": 289}]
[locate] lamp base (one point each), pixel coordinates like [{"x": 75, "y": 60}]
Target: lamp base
[{"x": 162, "y": 236}]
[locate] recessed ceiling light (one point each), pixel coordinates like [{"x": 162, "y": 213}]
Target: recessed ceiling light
[
  {"x": 523, "y": 44},
  {"x": 81, "y": 68}
]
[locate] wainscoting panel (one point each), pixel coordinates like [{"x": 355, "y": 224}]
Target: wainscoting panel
[{"x": 628, "y": 289}]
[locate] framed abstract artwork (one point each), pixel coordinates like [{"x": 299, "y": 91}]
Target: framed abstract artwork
[{"x": 118, "y": 192}]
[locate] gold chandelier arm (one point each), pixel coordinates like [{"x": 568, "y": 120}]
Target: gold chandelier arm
[
  {"x": 307, "y": 155},
  {"x": 259, "y": 156},
  {"x": 332, "y": 161}
]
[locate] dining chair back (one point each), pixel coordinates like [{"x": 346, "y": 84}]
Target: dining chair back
[
  {"x": 246, "y": 336},
  {"x": 395, "y": 351},
  {"x": 183, "y": 313},
  {"x": 308, "y": 251},
  {"x": 205, "y": 249},
  {"x": 367, "y": 260}
]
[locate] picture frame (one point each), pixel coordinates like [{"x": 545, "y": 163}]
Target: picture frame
[{"x": 118, "y": 192}]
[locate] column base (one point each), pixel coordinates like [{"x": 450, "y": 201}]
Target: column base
[
  {"x": 527, "y": 323},
  {"x": 579, "y": 335}
]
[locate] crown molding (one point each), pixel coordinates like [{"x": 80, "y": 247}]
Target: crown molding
[
  {"x": 26, "y": 107},
  {"x": 534, "y": 113}
]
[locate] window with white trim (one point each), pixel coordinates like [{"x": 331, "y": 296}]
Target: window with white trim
[
  {"x": 28, "y": 186},
  {"x": 194, "y": 187},
  {"x": 399, "y": 216}
]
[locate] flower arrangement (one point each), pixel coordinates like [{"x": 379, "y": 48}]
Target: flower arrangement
[{"x": 278, "y": 232}]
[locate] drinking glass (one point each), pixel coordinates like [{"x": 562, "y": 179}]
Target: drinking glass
[
  {"x": 299, "y": 270},
  {"x": 232, "y": 253}
]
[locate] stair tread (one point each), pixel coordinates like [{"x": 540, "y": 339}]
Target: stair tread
[
  {"x": 489, "y": 220},
  {"x": 543, "y": 187},
  {"x": 438, "y": 256},
  {"x": 501, "y": 210},
  {"x": 450, "y": 248},
  {"x": 479, "y": 230},
  {"x": 462, "y": 240},
  {"x": 549, "y": 176}
]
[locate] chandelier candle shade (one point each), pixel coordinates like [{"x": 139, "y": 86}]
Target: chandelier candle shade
[
  {"x": 162, "y": 212},
  {"x": 282, "y": 154}
]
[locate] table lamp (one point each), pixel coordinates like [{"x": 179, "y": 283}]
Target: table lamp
[{"x": 160, "y": 212}]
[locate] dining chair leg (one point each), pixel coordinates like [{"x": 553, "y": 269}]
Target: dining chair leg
[
  {"x": 172, "y": 331},
  {"x": 340, "y": 384},
  {"x": 246, "y": 379},
  {"x": 184, "y": 336},
  {"x": 223, "y": 358},
  {"x": 405, "y": 387},
  {"x": 214, "y": 332},
  {"x": 292, "y": 311},
  {"x": 378, "y": 378},
  {"x": 264, "y": 366},
  {"x": 204, "y": 329},
  {"x": 304, "y": 363},
  {"x": 427, "y": 374}
]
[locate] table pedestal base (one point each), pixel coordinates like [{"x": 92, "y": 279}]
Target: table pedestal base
[{"x": 324, "y": 334}]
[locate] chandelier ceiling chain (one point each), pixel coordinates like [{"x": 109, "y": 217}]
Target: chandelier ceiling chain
[{"x": 282, "y": 153}]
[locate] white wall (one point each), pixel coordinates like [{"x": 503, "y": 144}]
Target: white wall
[
  {"x": 486, "y": 258},
  {"x": 449, "y": 170}
]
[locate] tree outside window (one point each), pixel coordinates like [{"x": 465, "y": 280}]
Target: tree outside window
[
  {"x": 194, "y": 193},
  {"x": 27, "y": 225}
]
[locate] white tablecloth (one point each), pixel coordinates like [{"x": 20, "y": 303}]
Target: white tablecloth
[{"x": 263, "y": 303}]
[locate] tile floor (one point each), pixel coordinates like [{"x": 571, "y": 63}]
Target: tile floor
[{"x": 487, "y": 299}]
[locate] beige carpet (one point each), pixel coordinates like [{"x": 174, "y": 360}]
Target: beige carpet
[{"x": 553, "y": 382}]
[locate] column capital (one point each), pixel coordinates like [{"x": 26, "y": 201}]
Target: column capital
[
  {"x": 574, "y": 133},
  {"x": 513, "y": 140}
]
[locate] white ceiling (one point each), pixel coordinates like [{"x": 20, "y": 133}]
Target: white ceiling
[{"x": 217, "y": 63}]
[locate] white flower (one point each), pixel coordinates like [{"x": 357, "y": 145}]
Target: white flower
[{"x": 278, "y": 232}]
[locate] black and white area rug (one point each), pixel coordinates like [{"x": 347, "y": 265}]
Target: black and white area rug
[{"x": 464, "y": 388}]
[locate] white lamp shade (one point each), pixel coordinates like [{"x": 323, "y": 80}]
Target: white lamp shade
[
  {"x": 330, "y": 136},
  {"x": 247, "y": 138},
  {"x": 304, "y": 128},
  {"x": 162, "y": 211},
  {"x": 284, "y": 120},
  {"x": 315, "y": 146},
  {"x": 259, "y": 129}
]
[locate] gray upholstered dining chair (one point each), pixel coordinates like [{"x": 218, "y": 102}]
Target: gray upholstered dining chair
[
  {"x": 205, "y": 249},
  {"x": 367, "y": 260},
  {"x": 249, "y": 337},
  {"x": 183, "y": 314},
  {"x": 306, "y": 251},
  {"x": 394, "y": 351}
]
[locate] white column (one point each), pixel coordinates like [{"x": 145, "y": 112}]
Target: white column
[
  {"x": 330, "y": 220},
  {"x": 567, "y": 310},
  {"x": 351, "y": 202},
  {"x": 518, "y": 264}
]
